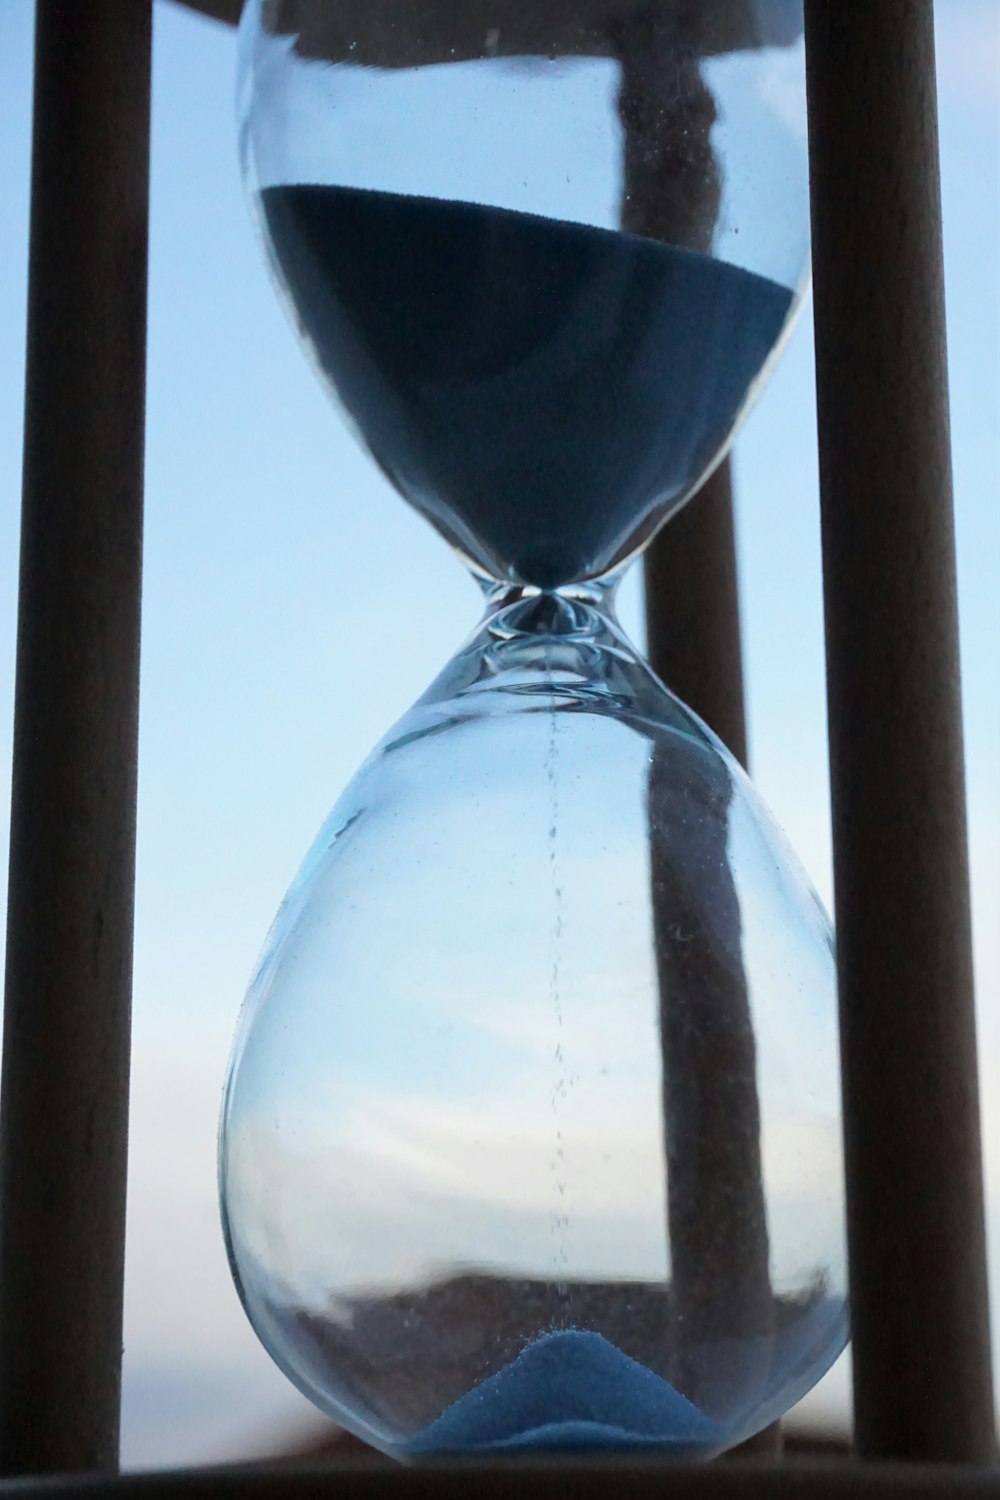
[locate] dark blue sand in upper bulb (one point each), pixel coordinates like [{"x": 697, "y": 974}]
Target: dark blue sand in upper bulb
[
  {"x": 544, "y": 392},
  {"x": 571, "y": 1390}
]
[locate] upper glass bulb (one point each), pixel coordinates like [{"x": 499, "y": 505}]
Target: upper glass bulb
[{"x": 442, "y": 189}]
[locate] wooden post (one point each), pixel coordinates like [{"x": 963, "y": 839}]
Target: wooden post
[
  {"x": 717, "y": 1215},
  {"x": 598, "y": 1477},
  {"x": 693, "y": 612},
  {"x": 69, "y": 950},
  {"x": 694, "y": 644},
  {"x": 914, "y": 1173}
]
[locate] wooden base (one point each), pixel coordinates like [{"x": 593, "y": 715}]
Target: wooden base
[{"x": 595, "y": 1479}]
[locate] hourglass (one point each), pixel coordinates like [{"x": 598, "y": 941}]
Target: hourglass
[{"x": 531, "y": 1132}]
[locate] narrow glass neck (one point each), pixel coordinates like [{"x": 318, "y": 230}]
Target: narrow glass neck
[{"x": 550, "y": 611}]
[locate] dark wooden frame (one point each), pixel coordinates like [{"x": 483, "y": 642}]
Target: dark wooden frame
[
  {"x": 923, "y": 1386},
  {"x": 63, "y": 1124},
  {"x": 602, "y": 1479}
]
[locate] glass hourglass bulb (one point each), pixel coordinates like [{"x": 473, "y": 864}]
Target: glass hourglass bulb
[{"x": 531, "y": 1131}]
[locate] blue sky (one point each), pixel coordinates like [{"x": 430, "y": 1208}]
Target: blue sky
[{"x": 294, "y": 607}]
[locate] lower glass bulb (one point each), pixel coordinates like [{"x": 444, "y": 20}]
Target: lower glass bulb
[{"x": 531, "y": 1134}]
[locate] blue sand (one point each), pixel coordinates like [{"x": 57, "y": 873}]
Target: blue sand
[
  {"x": 571, "y": 1390},
  {"x": 542, "y": 391}
]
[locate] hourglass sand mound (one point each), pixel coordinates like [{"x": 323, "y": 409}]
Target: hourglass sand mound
[
  {"x": 565, "y": 1384},
  {"x": 571, "y": 1390}
]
